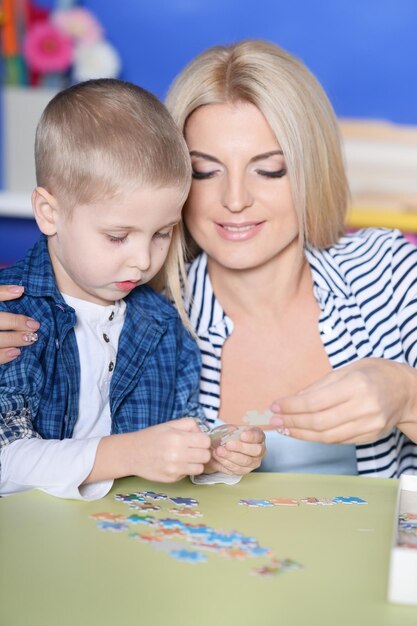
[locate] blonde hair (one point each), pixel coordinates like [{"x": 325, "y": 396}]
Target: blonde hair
[
  {"x": 105, "y": 136},
  {"x": 298, "y": 112}
]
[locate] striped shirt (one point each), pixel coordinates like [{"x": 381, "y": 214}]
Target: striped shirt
[{"x": 366, "y": 288}]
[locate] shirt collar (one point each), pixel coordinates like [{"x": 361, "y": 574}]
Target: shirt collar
[
  {"x": 205, "y": 311},
  {"x": 38, "y": 275},
  {"x": 326, "y": 272}
]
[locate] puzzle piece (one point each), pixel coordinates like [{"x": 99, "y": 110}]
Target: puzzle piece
[
  {"x": 234, "y": 553},
  {"x": 129, "y": 497},
  {"x": 407, "y": 518},
  {"x": 166, "y": 545},
  {"x": 184, "y": 501},
  {"x": 185, "y": 511},
  {"x": 349, "y": 500},
  {"x": 140, "y": 519},
  {"x": 284, "y": 501},
  {"x": 114, "y": 527},
  {"x": 169, "y": 534},
  {"x": 256, "y": 503},
  {"x": 144, "y": 506},
  {"x": 108, "y": 517},
  {"x": 146, "y": 537},
  {"x": 255, "y": 418},
  {"x": 220, "y": 435},
  {"x": 189, "y": 556},
  {"x": 276, "y": 567},
  {"x": 154, "y": 496}
]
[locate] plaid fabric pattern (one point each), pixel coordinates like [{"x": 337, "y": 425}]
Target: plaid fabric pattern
[{"x": 156, "y": 377}]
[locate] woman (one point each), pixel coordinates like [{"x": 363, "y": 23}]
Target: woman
[{"x": 289, "y": 314}]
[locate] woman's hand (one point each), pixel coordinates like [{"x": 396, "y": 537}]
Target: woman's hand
[
  {"x": 239, "y": 457},
  {"x": 357, "y": 403},
  {"x": 15, "y": 330}
]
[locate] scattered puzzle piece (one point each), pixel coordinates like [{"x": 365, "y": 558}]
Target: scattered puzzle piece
[
  {"x": 189, "y": 556},
  {"x": 166, "y": 534},
  {"x": 153, "y": 495},
  {"x": 114, "y": 527},
  {"x": 145, "y": 506},
  {"x": 277, "y": 567},
  {"x": 349, "y": 500},
  {"x": 256, "y": 503},
  {"x": 185, "y": 511},
  {"x": 129, "y": 497},
  {"x": 184, "y": 501},
  {"x": 310, "y": 500},
  {"x": 140, "y": 519},
  {"x": 108, "y": 517},
  {"x": 284, "y": 501}
]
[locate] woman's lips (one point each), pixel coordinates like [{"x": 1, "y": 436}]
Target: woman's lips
[{"x": 238, "y": 232}]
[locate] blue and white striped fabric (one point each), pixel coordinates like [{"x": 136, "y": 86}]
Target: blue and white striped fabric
[{"x": 366, "y": 287}]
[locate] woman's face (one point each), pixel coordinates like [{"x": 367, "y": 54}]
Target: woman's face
[{"x": 240, "y": 208}]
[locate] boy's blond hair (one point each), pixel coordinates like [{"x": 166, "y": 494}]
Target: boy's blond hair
[
  {"x": 298, "y": 112},
  {"x": 103, "y": 137}
]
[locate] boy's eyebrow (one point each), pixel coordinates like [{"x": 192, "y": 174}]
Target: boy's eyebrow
[
  {"x": 258, "y": 157},
  {"x": 123, "y": 228}
]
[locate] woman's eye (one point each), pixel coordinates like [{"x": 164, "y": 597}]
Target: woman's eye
[
  {"x": 114, "y": 239},
  {"x": 273, "y": 174},
  {"x": 202, "y": 175}
]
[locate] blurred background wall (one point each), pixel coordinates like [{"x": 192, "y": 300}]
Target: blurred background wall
[{"x": 363, "y": 52}]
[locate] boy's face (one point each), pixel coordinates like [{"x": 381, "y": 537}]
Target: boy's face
[{"x": 101, "y": 251}]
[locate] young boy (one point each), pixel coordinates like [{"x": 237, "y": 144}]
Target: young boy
[{"x": 91, "y": 400}]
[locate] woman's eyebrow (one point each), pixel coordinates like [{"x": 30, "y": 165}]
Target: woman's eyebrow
[
  {"x": 266, "y": 155},
  {"x": 203, "y": 155},
  {"x": 258, "y": 157}
]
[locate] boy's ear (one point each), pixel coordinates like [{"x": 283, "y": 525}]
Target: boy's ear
[{"x": 45, "y": 208}]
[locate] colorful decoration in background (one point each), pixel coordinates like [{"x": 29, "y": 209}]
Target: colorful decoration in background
[{"x": 54, "y": 48}]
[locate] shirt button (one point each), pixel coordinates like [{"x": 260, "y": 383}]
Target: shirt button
[
  {"x": 106, "y": 338},
  {"x": 111, "y": 317},
  {"x": 327, "y": 329},
  {"x": 111, "y": 366}
]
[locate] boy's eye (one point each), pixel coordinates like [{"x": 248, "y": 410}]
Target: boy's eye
[
  {"x": 166, "y": 235},
  {"x": 114, "y": 239},
  {"x": 273, "y": 174}
]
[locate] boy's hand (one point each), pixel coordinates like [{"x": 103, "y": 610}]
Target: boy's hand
[
  {"x": 239, "y": 457},
  {"x": 22, "y": 329},
  {"x": 162, "y": 453}
]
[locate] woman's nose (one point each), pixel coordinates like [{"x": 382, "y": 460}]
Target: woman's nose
[{"x": 236, "y": 194}]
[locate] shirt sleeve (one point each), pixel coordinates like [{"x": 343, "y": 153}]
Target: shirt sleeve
[
  {"x": 56, "y": 467},
  {"x": 20, "y": 383},
  {"x": 188, "y": 377}
]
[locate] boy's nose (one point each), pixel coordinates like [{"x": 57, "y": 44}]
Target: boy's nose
[{"x": 141, "y": 260}]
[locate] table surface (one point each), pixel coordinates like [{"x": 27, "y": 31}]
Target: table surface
[{"x": 56, "y": 567}]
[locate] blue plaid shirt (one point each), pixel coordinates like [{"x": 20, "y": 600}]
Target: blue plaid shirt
[{"x": 156, "y": 377}]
